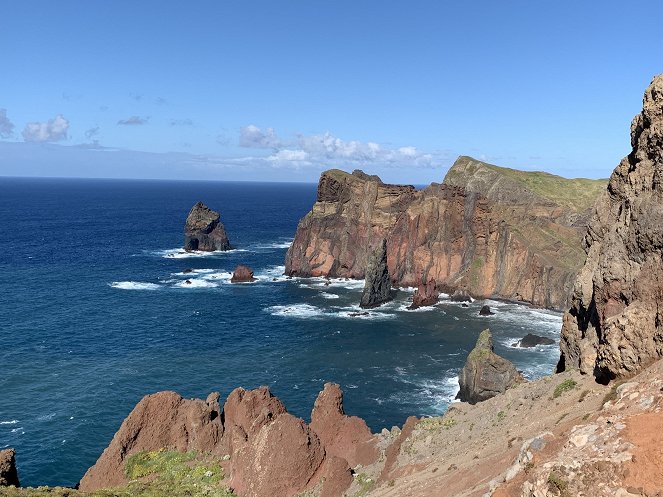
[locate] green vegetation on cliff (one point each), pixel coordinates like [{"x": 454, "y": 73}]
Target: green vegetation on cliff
[{"x": 159, "y": 473}]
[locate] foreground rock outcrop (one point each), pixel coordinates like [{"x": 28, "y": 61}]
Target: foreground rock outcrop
[
  {"x": 486, "y": 374},
  {"x": 263, "y": 450},
  {"x": 489, "y": 231},
  {"x": 615, "y": 324},
  {"x": 204, "y": 230},
  {"x": 8, "y": 474},
  {"x": 377, "y": 285}
]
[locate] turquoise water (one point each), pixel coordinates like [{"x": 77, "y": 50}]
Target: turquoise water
[{"x": 95, "y": 313}]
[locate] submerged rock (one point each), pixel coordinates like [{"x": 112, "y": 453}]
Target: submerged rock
[
  {"x": 377, "y": 286},
  {"x": 425, "y": 295},
  {"x": 615, "y": 325},
  {"x": 486, "y": 374},
  {"x": 204, "y": 231},
  {"x": 242, "y": 274},
  {"x": 8, "y": 474},
  {"x": 531, "y": 340}
]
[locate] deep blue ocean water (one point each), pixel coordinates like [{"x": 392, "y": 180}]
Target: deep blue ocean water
[{"x": 95, "y": 312}]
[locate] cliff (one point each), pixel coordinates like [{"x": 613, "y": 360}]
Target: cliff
[
  {"x": 487, "y": 230},
  {"x": 615, "y": 324}
]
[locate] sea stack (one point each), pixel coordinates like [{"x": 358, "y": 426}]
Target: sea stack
[
  {"x": 615, "y": 325},
  {"x": 8, "y": 474},
  {"x": 486, "y": 374},
  {"x": 425, "y": 295},
  {"x": 242, "y": 274},
  {"x": 204, "y": 230},
  {"x": 377, "y": 286}
]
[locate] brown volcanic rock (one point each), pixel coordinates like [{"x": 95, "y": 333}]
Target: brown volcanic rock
[
  {"x": 8, "y": 474},
  {"x": 425, "y": 295},
  {"x": 161, "y": 420},
  {"x": 377, "y": 285},
  {"x": 242, "y": 274},
  {"x": 486, "y": 374},
  {"x": 614, "y": 327},
  {"x": 353, "y": 213},
  {"x": 347, "y": 437},
  {"x": 488, "y": 231},
  {"x": 204, "y": 230}
]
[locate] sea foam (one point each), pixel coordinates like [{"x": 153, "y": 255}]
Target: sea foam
[{"x": 134, "y": 285}]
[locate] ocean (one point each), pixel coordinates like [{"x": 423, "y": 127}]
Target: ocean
[{"x": 95, "y": 313}]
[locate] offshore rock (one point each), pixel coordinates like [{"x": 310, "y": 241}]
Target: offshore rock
[
  {"x": 486, "y": 374},
  {"x": 8, "y": 474},
  {"x": 487, "y": 231},
  {"x": 204, "y": 230},
  {"x": 343, "y": 436},
  {"x": 531, "y": 340},
  {"x": 614, "y": 327},
  {"x": 377, "y": 285},
  {"x": 425, "y": 295},
  {"x": 161, "y": 420},
  {"x": 242, "y": 274},
  {"x": 485, "y": 311}
]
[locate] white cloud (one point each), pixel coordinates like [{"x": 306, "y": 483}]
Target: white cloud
[
  {"x": 133, "y": 121},
  {"x": 6, "y": 126},
  {"x": 53, "y": 130},
  {"x": 252, "y": 136}
]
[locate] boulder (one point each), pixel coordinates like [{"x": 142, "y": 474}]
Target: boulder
[
  {"x": 460, "y": 296},
  {"x": 486, "y": 374},
  {"x": 242, "y": 274},
  {"x": 377, "y": 286},
  {"x": 161, "y": 420},
  {"x": 8, "y": 474},
  {"x": 614, "y": 327},
  {"x": 531, "y": 340},
  {"x": 347, "y": 437},
  {"x": 425, "y": 295},
  {"x": 204, "y": 231},
  {"x": 485, "y": 311}
]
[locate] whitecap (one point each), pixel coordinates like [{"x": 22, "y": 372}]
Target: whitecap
[
  {"x": 195, "y": 283},
  {"x": 12, "y": 422},
  {"x": 295, "y": 310},
  {"x": 180, "y": 253},
  {"x": 275, "y": 245},
  {"x": 272, "y": 273},
  {"x": 327, "y": 295},
  {"x": 134, "y": 285},
  {"x": 190, "y": 272}
]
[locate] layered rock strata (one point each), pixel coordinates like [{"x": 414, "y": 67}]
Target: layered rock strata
[
  {"x": 487, "y": 230},
  {"x": 8, "y": 474},
  {"x": 615, "y": 324},
  {"x": 486, "y": 374},
  {"x": 263, "y": 449},
  {"x": 377, "y": 284},
  {"x": 204, "y": 230}
]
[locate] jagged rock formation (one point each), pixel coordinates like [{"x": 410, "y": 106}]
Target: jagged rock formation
[
  {"x": 425, "y": 295},
  {"x": 487, "y": 230},
  {"x": 615, "y": 324},
  {"x": 161, "y": 420},
  {"x": 204, "y": 230},
  {"x": 263, "y": 449},
  {"x": 377, "y": 285},
  {"x": 242, "y": 274},
  {"x": 486, "y": 374},
  {"x": 8, "y": 474}
]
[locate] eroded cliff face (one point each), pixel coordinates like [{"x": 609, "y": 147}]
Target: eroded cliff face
[
  {"x": 486, "y": 231},
  {"x": 615, "y": 324}
]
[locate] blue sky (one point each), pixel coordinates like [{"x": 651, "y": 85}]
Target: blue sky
[{"x": 269, "y": 90}]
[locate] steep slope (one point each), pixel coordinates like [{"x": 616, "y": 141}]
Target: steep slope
[
  {"x": 615, "y": 324},
  {"x": 487, "y": 231}
]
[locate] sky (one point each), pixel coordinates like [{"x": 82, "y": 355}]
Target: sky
[{"x": 282, "y": 90}]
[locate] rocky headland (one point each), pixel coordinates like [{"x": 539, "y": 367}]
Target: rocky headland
[
  {"x": 204, "y": 230},
  {"x": 487, "y": 230},
  {"x": 560, "y": 436}
]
